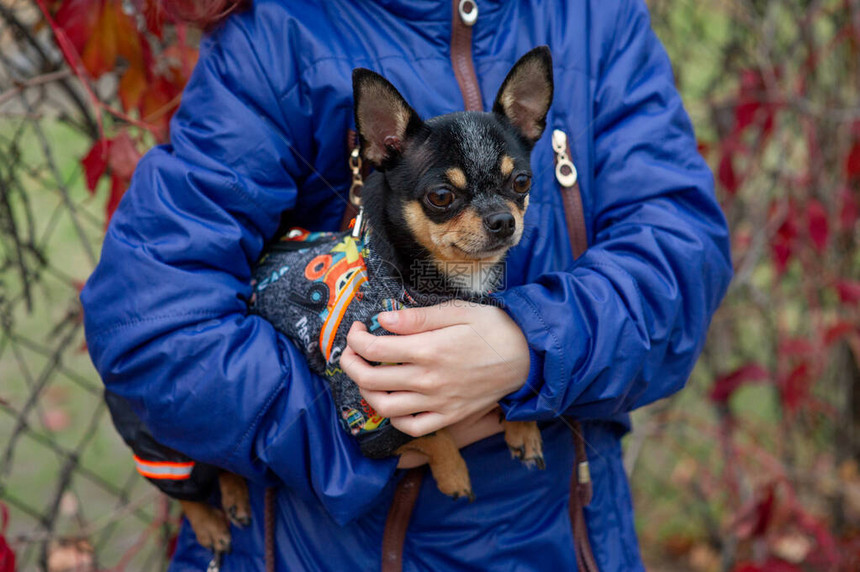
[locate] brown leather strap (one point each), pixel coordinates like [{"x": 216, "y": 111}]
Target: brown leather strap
[
  {"x": 572, "y": 202},
  {"x": 580, "y": 496},
  {"x": 574, "y": 216},
  {"x": 399, "y": 515},
  {"x": 269, "y": 532},
  {"x": 461, "y": 58},
  {"x": 581, "y": 488}
]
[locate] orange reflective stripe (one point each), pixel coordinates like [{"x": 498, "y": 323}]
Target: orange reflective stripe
[{"x": 163, "y": 469}]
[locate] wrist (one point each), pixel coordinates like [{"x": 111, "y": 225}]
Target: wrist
[{"x": 530, "y": 387}]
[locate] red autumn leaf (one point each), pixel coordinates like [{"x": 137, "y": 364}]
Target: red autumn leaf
[
  {"x": 158, "y": 104},
  {"x": 783, "y": 243},
  {"x": 725, "y": 385},
  {"x": 852, "y": 162},
  {"x": 100, "y": 52},
  {"x": 849, "y": 291},
  {"x": 118, "y": 187},
  {"x": 848, "y": 209},
  {"x": 118, "y": 153},
  {"x": 95, "y": 163},
  {"x": 78, "y": 19},
  {"x": 753, "y": 105},
  {"x": 745, "y": 114},
  {"x": 838, "y": 331},
  {"x": 155, "y": 15},
  {"x": 751, "y": 88},
  {"x": 106, "y": 34},
  {"x": 132, "y": 86},
  {"x": 181, "y": 60},
  {"x": 123, "y": 156},
  {"x": 7, "y": 557},
  {"x": 726, "y": 173},
  {"x": 754, "y": 518},
  {"x": 170, "y": 547},
  {"x": 137, "y": 77},
  {"x": 818, "y": 225},
  {"x": 794, "y": 387},
  {"x": 793, "y": 347},
  {"x": 781, "y": 253},
  {"x": 119, "y": 156}
]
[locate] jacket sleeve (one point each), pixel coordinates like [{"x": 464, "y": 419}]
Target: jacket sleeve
[
  {"x": 166, "y": 308},
  {"x": 624, "y": 326}
]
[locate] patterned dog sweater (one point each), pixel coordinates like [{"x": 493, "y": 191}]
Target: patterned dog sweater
[{"x": 312, "y": 286}]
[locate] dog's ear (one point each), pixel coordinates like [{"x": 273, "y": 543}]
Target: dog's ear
[
  {"x": 526, "y": 94},
  {"x": 382, "y": 117}
]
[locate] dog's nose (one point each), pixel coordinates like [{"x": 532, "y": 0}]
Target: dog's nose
[{"x": 501, "y": 225}]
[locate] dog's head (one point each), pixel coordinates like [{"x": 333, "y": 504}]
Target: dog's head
[{"x": 452, "y": 189}]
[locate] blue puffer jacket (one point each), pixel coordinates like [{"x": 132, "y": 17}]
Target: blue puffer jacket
[{"x": 262, "y": 131}]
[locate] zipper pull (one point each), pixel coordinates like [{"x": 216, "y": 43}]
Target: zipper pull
[
  {"x": 565, "y": 171},
  {"x": 468, "y": 10}
]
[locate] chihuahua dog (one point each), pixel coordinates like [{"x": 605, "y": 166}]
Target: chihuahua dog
[{"x": 445, "y": 203}]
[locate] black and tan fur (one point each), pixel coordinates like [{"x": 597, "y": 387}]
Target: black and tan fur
[{"x": 479, "y": 164}]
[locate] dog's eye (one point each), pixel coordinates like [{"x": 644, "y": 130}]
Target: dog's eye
[
  {"x": 439, "y": 198},
  {"x": 522, "y": 183}
]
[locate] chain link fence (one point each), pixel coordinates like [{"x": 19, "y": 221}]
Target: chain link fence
[{"x": 76, "y": 502}]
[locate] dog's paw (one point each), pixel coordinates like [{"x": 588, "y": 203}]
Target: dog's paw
[
  {"x": 239, "y": 515},
  {"x": 464, "y": 494},
  {"x": 453, "y": 480},
  {"x": 524, "y": 442},
  {"x": 234, "y": 499},
  {"x": 210, "y": 526}
]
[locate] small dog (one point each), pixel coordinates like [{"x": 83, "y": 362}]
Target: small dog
[{"x": 444, "y": 205}]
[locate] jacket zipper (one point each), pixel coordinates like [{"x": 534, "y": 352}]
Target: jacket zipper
[
  {"x": 465, "y": 14},
  {"x": 568, "y": 180}
]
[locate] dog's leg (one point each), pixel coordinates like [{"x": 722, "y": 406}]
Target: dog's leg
[
  {"x": 209, "y": 525},
  {"x": 523, "y": 439},
  {"x": 234, "y": 498},
  {"x": 447, "y": 465}
]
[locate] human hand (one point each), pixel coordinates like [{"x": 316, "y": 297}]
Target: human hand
[
  {"x": 452, "y": 361},
  {"x": 465, "y": 432}
]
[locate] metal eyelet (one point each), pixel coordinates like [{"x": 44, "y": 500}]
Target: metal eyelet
[
  {"x": 565, "y": 172},
  {"x": 468, "y": 12}
]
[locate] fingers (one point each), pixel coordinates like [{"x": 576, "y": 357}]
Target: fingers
[
  {"x": 396, "y": 403},
  {"x": 417, "y": 320},
  {"x": 380, "y": 377},
  {"x": 421, "y": 424},
  {"x": 384, "y": 349}
]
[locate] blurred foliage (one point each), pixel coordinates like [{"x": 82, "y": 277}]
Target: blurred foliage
[
  {"x": 755, "y": 465},
  {"x": 85, "y": 87}
]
